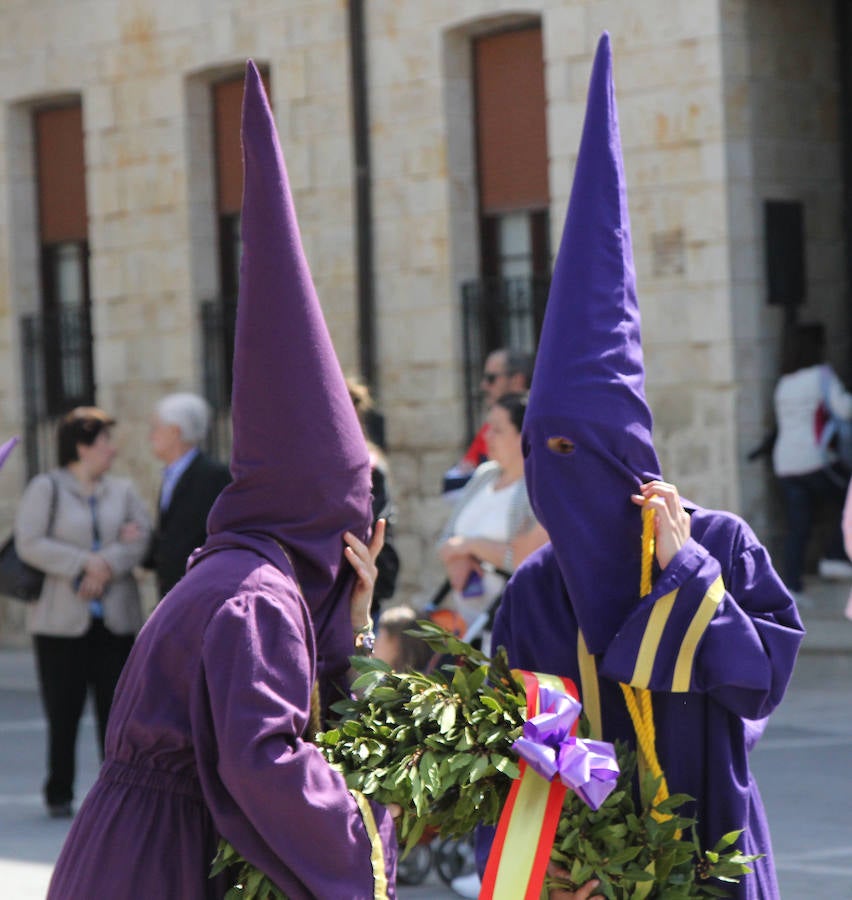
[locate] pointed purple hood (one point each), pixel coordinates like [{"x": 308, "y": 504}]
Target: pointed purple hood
[
  {"x": 300, "y": 465},
  {"x": 587, "y": 430}
]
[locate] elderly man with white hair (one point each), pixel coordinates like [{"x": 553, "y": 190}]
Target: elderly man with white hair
[{"x": 191, "y": 482}]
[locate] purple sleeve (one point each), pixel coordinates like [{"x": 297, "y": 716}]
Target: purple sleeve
[
  {"x": 732, "y": 632},
  {"x": 271, "y": 793}
]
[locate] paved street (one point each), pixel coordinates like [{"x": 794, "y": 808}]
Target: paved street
[
  {"x": 29, "y": 840},
  {"x": 802, "y": 764}
]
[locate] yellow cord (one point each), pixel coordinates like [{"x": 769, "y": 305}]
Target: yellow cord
[
  {"x": 638, "y": 700},
  {"x": 649, "y": 545}
]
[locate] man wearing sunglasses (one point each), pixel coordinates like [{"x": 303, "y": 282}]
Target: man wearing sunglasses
[{"x": 505, "y": 372}]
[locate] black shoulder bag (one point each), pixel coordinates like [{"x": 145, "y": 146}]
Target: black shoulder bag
[{"x": 17, "y": 578}]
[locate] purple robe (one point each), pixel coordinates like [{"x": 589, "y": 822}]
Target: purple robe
[
  {"x": 717, "y": 655},
  {"x": 205, "y": 739}
]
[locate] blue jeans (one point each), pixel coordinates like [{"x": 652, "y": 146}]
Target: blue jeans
[{"x": 803, "y": 496}]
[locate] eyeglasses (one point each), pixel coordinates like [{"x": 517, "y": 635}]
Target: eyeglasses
[{"x": 491, "y": 377}]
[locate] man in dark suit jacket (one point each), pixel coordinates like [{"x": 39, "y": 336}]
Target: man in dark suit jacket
[{"x": 191, "y": 482}]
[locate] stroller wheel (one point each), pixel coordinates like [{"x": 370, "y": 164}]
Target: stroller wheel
[
  {"x": 414, "y": 868},
  {"x": 454, "y": 857}
]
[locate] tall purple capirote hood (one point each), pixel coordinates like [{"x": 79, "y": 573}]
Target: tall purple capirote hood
[
  {"x": 300, "y": 465},
  {"x": 588, "y": 385}
]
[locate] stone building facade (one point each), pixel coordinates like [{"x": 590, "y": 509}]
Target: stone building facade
[{"x": 724, "y": 105}]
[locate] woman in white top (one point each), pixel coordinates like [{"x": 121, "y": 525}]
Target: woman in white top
[
  {"x": 492, "y": 528},
  {"x": 808, "y": 475}
]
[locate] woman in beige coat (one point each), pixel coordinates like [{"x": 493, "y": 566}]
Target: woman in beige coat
[{"x": 89, "y": 611}]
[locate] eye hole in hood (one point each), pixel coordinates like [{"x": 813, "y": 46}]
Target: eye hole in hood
[{"x": 561, "y": 446}]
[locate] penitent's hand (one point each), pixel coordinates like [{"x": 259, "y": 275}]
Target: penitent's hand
[
  {"x": 671, "y": 520},
  {"x": 582, "y": 893},
  {"x": 362, "y": 558}
]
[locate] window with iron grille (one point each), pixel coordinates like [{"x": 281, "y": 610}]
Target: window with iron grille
[{"x": 65, "y": 330}]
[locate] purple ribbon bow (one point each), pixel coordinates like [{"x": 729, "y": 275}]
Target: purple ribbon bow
[{"x": 589, "y": 768}]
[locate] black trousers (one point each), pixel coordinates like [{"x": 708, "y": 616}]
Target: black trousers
[
  {"x": 67, "y": 668},
  {"x": 804, "y": 495}
]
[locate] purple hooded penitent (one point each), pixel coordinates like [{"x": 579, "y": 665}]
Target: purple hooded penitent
[
  {"x": 589, "y": 385},
  {"x": 208, "y": 732},
  {"x": 715, "y": 641}
]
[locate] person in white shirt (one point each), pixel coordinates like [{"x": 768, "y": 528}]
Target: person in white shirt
[
  {"x": 809, "y": 476},
  {"x": 492, "y": 528}
]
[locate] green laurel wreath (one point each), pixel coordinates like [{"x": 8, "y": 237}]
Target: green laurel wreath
[{"x": 439, "y": 745}]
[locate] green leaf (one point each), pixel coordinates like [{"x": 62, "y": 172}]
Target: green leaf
[
  {"x": 492, "y": 704},
  {"x": 414, "y": 836},
  {"x": 460, "y": 684},
  {"x": 605, "y": 888},
  {"x": 673, "y": 803},
  {"x": 252, "y": 882},
  {"x": 459, "y": 761},
  {"x": 642, "y": 890},
  {"x": 429, "y": 772},
  {"x": 727, "y": 840},
  {"x": 625, "y": 856},
  {"x": 364, "y": 684},
  {"x": 448, "y": 718},
  {"x": 643, "y": 875},
  {"x": 505, "y": 765},
  {"x": 479, "y": 768},
  {"x": 466, "y": 741}
]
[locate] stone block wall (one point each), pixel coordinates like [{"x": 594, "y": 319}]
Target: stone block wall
[
  {"x": 782, "y": 121},
  {"x": 706, "y": 135},
  {"x": 143, "y": 75}
]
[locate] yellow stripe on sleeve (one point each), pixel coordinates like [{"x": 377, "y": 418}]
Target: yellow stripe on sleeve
[
  {"x": 697, "y": 627},
  {"x": 589, "y": 687},
  {"x": 377, "y": 853},
  {"x": 651, "y": 640}
]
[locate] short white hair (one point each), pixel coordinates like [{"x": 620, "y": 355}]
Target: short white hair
[{"x": 189, "y": 412}]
